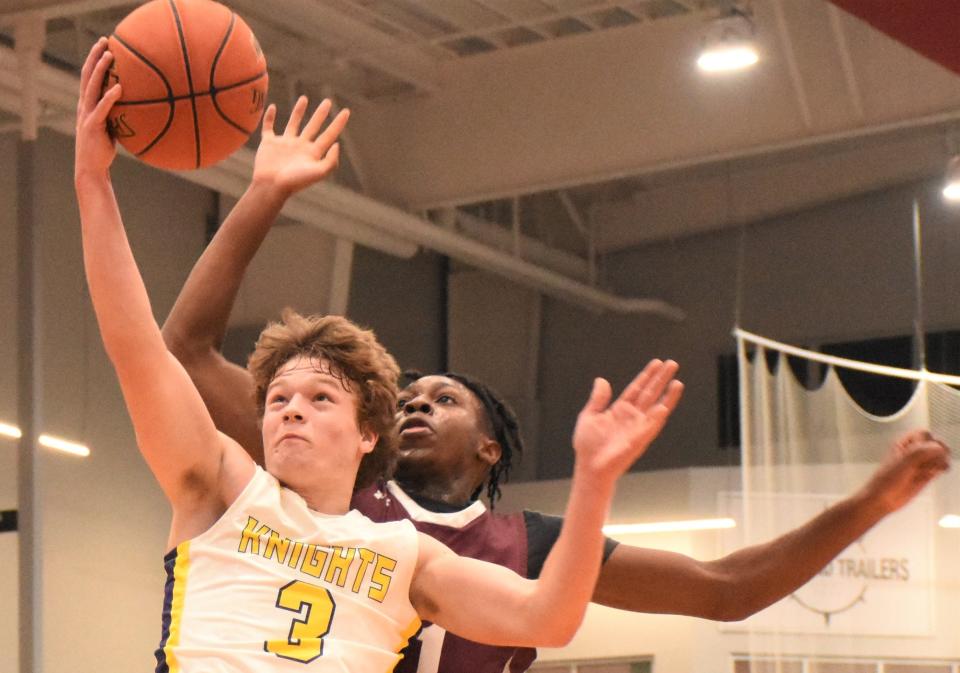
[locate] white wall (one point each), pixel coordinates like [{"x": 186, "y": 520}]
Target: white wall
[
  {"x": 8, "y": 399},
  {"x": 103, "y": 520},
  {"x": 840, "y": 272},
  {"x": 685, "y": 644}
]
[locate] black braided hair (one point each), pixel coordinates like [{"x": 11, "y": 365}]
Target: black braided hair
[{"x": 502, "y": 421}]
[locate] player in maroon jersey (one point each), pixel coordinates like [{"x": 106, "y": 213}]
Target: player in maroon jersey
[{"x": 457, "y": 438}]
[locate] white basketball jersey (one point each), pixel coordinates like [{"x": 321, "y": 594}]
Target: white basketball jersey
[{"x": 274, "y": 587}]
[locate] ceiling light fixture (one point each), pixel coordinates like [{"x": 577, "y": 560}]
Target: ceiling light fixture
[
  {"x": 950, "y": 521},
  {"x": 668, "y": 526},
  {"x": 951, "y": 190},
  {"x": 49, "y": 441},
  {"x": 729, "y": 43},
  {"x": 52, "y": 442},
  {"x": 11, "y": 431}
]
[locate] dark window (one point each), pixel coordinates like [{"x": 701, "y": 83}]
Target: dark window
[
  {"x": 878, "y": 395},
  {"x": 8, "y": 520}
]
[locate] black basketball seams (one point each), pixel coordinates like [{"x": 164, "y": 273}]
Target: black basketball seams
[
  {"x": 198, "y": 94},
  {"x": 213, "y": 71},
  {"x": 169, "y": 99},
  {"x": 186, "y": 61}
]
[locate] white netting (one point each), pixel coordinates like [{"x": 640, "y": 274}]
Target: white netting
[{"x": 804, "y": 449}]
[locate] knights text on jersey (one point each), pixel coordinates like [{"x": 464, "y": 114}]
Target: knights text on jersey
[{"x": 274, "y": 585}]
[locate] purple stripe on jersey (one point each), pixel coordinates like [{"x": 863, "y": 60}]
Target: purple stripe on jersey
[{"x": 169, "y": 564}]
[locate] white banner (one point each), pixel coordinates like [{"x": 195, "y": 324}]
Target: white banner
[{"x": 880, "y": 585}]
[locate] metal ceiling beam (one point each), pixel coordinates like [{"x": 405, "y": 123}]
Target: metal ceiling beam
[
  {"x": 360, "y": 42},
  {"x": 346, "y": 214},
  {"x": 57, "y": 93},
  {"x": 531, "y": 249},
  {"x": 684, "y": 163},
  {"x": 846, "y": 62},
  {"x": 791, "y": 56},
  {"x": 52, "y": 9}
]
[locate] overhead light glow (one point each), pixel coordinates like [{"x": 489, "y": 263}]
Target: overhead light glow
[
  {"x": 49, "y": 441},
  {"x": 952, "y": 191},
  {"x": 727, "y": 58},
  {"x": 52, "y": 442},
  {"x": 950, "y": 521},
  {"x": 668, "y": 526},
  {"x": 11, "y": 431}
]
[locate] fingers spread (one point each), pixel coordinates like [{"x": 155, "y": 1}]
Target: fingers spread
[
  {"x": 657, "y": 384},
  {"x": 599, "y": 396},
  {"x": 632, "y": 392},
  {"x": 332, "y": 159},
  {"x": 323, "y": 167},
  {"x": 671, "y": 398},
  {"x": 269, "y": 117},
  {"x": 316, "y": 119},
  {"x": 332, "y": 132},
  {"x": 296, "y": 116}
]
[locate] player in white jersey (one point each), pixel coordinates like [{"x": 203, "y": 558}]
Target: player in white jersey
[
  {"x": 248, "y": 546},
  {"x": 338, "y": 585}
]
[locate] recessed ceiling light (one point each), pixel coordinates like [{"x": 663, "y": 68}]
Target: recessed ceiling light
[{"x": 729, "y": 44}]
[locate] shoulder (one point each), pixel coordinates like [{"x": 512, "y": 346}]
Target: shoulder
[
  {"x": 542, "y": 533},
  {"x": 376, "y": 502},
  {"x": 401, "y": 530},
  {"x": 542, "y": 527}
]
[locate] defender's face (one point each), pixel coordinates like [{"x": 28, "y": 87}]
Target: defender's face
[
  {"x": 310, "y": 425},
  {"x": 440, "y": 424}
]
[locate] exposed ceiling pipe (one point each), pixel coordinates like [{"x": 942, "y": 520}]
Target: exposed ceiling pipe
[
  {"x": 51, "y": 9},
  {"x": 57, "y": 90},
  {"x": 371, "y": 46},
  {"x": 31, "y": 33},
  {"x": 232, "y": 176},
  {"x": 344, "y": 213},
  {"x": 531, "y": 249},
  {"x": 347, "y": 203},
  {"x": 660, "y": 167}
]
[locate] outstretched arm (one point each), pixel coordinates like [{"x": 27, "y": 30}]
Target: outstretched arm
[
  {"x": 174, "y": 432},
  {"x": 746, "y": 581},
  {"x": 196, "y": 326},
  {"x": 547, "y": 611}
]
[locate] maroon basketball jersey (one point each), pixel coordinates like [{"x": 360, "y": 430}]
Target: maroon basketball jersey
[{"x": 475, "y": 532}]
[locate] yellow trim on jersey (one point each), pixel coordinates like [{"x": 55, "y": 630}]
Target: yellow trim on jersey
[
  {"x": 407, "y": 634},
  {"x": 180, "y": 569}
]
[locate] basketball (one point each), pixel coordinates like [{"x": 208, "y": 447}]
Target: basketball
[{"x": 194, "y": 83}]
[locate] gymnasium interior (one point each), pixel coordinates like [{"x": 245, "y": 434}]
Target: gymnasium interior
[{"x": 536, "y": 192}]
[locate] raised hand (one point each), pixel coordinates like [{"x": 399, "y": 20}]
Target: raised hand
[
  {"x": 913, "y": 461},
  {"x": 608, "y": 438},
  {"x": 95, "y": 149},
  {"x": 298, "y": 158}
]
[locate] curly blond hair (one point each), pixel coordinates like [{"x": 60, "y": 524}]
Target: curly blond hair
[{"x": 362, "y": 364}]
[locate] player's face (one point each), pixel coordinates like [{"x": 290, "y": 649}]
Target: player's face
[
  {"x": 440, "y": 427},
  {"x": 310, "y": 424}
]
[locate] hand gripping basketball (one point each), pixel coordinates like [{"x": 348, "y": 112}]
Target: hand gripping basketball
[
  {"x": 194, "y": 83},
  {"x": 95, "y": 149}
]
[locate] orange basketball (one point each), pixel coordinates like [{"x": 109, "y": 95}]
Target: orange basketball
[{"x": 194, "y": 83}]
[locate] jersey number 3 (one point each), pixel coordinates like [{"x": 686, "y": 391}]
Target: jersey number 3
[{"x": 315, "y": 608}]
